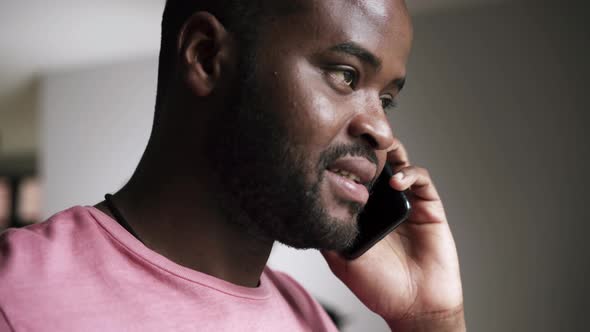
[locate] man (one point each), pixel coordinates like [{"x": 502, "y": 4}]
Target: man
[{"x": 270, "y": 125}]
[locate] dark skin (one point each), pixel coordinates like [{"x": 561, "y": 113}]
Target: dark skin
[{"x": 330, "y": 80}]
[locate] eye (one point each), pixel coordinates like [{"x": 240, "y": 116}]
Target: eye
[
  {"x": 343, "y": 77},
  {"x": 388, "y": 102}
]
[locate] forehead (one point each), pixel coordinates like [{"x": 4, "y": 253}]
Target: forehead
[{"x": 381, "y": 26}]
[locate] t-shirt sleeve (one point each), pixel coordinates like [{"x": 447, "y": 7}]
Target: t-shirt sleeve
[{"x": 303, "y": 303}]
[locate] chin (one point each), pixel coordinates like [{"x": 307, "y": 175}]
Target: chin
[
  {"x": 341, "y": 211},
  {"x": 334, "y": 229},
  {"x": 345, "y": 214}
]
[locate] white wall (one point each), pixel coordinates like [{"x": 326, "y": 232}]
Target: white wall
[
  {"x": 497, "y": 108},
  {"x": 95, "y": 125},
  {"x": 494, "y": 107}
]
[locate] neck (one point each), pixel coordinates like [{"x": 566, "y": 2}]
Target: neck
[{"x": 182, "y": 217}]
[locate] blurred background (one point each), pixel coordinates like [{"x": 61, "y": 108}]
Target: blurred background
[{"x": 495, "y": 107}]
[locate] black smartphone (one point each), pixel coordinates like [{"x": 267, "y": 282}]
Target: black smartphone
[{"x": 385, "y": 210}]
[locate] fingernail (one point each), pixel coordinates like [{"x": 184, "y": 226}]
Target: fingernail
[{"x": 399, "y": 176}]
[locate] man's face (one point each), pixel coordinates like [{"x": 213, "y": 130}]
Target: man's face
[{"x": 309, "y": 133}]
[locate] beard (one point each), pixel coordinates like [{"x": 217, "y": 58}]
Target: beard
[{"x": 272, "y": 184}]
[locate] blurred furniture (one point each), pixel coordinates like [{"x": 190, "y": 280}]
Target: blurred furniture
[{"x": 19, "y": 199}]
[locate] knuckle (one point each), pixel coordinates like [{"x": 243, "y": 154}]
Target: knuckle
[{"x": 423, "y": 171}]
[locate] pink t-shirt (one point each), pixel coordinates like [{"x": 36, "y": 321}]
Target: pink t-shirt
[{"x": 82, "y": 271}]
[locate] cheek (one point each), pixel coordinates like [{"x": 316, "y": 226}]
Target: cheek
[
  {"x": 315, "y": 118},
  {"x": 382, "y": 159}
]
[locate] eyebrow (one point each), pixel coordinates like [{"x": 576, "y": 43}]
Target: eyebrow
[
  {"x": 358, "y": 51},
  {"x": 354, "y": 49}
]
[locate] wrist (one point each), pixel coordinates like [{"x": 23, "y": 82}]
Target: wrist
[{"x": 440, "y": 321}]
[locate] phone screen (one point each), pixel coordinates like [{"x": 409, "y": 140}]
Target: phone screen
[{"x": 385, "y": 210}]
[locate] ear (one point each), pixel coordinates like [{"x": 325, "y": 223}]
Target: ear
[{"x": 202, "y": 46}]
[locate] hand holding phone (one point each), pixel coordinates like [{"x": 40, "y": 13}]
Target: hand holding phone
[{"x": 411, "y": 275}]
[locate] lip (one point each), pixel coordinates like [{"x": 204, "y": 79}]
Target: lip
[
  {"x": 362, "y": 168},
  {"x": 347, "y": 189}
]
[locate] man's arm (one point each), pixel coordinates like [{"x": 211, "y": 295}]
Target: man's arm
[{"x": 411, "y": 278}]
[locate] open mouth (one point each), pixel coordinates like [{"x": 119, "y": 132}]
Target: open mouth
[
  {"x": 356, "y": 169},
  {"x": 346, "y": 187},
  {"x": 346, "y": 175},
  {"x": 349, "y": 178}
]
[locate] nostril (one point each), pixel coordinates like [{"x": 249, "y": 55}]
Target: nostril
[{"x": 370, "y": 139}]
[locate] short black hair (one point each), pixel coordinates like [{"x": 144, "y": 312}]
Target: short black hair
[{"x": 235, "y": 15}]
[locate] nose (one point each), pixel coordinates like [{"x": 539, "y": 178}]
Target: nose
[{"x": 372, "y": 127}]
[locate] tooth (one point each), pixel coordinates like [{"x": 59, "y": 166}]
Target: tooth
[{"x": 346, "y": 174}]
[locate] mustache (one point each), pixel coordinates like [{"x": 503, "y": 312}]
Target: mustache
[{"x": 341, "y": 150}]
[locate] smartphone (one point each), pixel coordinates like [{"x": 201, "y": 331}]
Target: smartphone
[{"x": 385, "y": 210}]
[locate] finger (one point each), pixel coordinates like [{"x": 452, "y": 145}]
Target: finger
[
  {"x": 397, "y": 155},
  {"x": 417, "y": 180}
]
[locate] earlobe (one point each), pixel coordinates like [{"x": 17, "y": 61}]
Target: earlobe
[{"x": 201, "y": 46}]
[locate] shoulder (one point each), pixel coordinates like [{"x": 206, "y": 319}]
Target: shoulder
[
  {"x": 31, "y": 251},
  {"x": 300, "y": 300},
  {"x": 62, "y": 222},
  {"x": 287, "y": 285},
  {"x": 24, "y": 241},
  {"x": 37, "y": 261}
]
